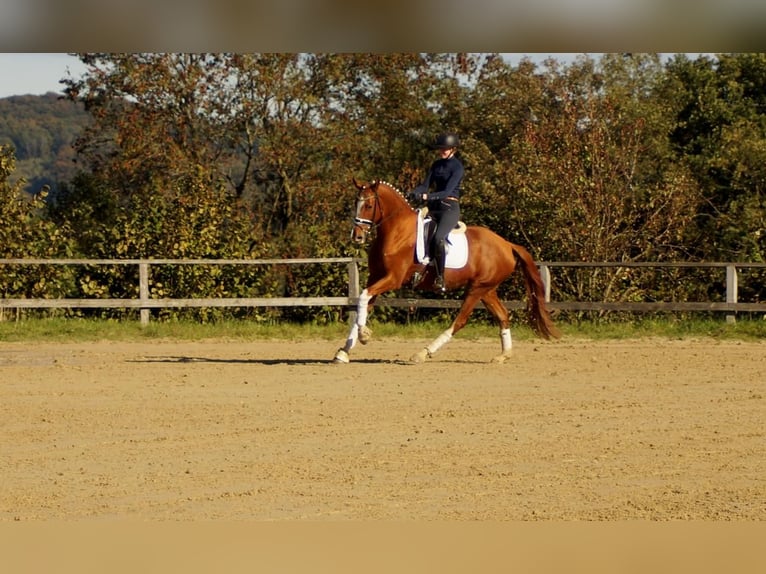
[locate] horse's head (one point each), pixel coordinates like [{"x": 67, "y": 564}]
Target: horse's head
[
  {"x": 368, "y": 211},
  {"x": 377, "y": 203}
]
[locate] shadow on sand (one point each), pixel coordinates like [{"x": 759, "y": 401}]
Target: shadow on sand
[{"x": 255, "y": 361}]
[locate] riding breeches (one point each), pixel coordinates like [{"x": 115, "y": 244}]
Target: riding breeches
[{"x": 446, "y": 214}]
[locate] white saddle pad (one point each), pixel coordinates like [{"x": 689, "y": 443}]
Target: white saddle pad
[{"x": 457, "y": 247}]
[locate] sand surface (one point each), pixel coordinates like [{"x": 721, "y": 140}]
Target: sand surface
[{"x": 272, "y": 430}]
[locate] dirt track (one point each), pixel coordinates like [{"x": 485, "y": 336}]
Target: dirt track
[{"x": 572, "y": 430}]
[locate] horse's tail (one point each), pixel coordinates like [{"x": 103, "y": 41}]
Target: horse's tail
[{"x": 537, "y": 313}]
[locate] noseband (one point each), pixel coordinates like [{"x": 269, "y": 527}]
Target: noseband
[{"x": 370, "y": 223}]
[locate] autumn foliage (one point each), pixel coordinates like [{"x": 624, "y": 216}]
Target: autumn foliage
[{"x": 622, "y": 158}]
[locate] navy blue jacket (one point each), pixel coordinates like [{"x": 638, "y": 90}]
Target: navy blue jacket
[{"x": 445, "y": 175}]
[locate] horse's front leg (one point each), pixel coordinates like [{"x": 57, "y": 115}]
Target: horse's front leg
[
  {"x": 359, "y": 330},
  {"x": 362, "y": 309}
]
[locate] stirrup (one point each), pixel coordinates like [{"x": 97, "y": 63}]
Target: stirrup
[{"x": 439, "y": 284}]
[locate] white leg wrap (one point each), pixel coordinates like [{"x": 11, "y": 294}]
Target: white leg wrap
[
  {"x": 361, "y": 308},
  {"x": 353, "y": 336},
  {"x": 505, "y": 337},
  {"x": 439, "y": 342}
]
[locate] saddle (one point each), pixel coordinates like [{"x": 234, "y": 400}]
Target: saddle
[{"x": 457, "y": 244}]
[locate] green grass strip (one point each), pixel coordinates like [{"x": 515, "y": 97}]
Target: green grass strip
[{"x": 79, "y": 329}]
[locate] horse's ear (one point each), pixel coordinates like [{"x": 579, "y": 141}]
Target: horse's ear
[{"x": 359, "y": 185}]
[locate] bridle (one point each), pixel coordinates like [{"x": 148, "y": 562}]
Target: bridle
[
  {"x": 370, "y": 223},
  {"x": 367, "y": 225},
  {"x": 378, "y": 217}
]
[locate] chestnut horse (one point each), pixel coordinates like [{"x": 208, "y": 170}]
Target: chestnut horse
[{"x": 392, "y": 262}]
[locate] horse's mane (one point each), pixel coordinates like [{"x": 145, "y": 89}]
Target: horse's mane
[{"x": 391, "y": 186}]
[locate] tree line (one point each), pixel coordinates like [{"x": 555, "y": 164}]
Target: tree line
[
  {"x": 624, "y": 157},
  {"x": 41, "y": 130}
]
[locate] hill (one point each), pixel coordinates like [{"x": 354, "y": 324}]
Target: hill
[{"x": 42, "y": 130}]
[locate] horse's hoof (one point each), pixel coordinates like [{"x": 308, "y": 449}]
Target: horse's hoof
[
  {"x": 341, "y": 357},
  {"x": 420, "y": 357},
  {"x": 502, "y": 358},
  {"x": 365, "y": 334}
]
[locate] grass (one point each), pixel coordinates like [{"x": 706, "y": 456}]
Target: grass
[
  {"x": 743, "y": 329},
  {"x": 78, "y": 329}
]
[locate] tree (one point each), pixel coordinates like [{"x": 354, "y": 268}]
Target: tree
[
  {"x": 593, "y": 178},
  {"x": 721, "y": 130},
  {"x": 24, "y": 232},
  {"x": 281, "y": 133},
  {"x": 42, "y": 130},
  {"x": 498, "y": 111}
]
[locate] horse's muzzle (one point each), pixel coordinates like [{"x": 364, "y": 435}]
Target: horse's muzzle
[
  {"x": 360, "y": 230},
  {"x": 359, "y": 234}
]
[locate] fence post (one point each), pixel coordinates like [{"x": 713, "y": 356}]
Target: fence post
[
  {"x": 545, "y": 275},
  {"x": 353, "y": 286},
  {"x": 731, "y": 290},
  {"x": 143, "y": 290}
]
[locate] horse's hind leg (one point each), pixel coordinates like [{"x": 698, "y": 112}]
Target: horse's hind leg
[
  {"x": 495, "y": 306},
  {"x": 435, "y": 345},
  {"x": 462, "y": 318}
]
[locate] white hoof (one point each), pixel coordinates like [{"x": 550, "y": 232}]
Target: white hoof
[
  {"x": 341, "y": 357},
  {"x": 365, "y": 334},
  {"x": 420, "y": 357}
]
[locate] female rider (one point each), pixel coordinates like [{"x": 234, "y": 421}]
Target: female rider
[{"x": 445, "y": 175}]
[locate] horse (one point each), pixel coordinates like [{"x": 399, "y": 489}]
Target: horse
[{"x": 383, "y": 211}]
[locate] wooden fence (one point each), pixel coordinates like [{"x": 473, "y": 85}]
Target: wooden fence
[{"x": 145, "y": 302}]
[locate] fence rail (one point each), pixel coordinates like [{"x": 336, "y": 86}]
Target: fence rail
[{"x": 145, "y": 302}]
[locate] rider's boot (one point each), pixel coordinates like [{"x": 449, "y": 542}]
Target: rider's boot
[{"x": 439, "y": 257}]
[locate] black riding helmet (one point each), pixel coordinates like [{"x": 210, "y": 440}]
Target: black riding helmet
[{"x": 445, "y": 141}]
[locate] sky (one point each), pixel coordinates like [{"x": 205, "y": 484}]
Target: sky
[
  {"x": 39, "y": 73},
  {"x": 35, "y": 73}
]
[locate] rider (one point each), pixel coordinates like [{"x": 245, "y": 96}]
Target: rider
[{"x": 445, "y": 175}]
